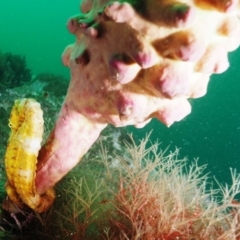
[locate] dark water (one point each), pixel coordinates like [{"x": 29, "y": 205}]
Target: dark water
[{"x": 211, "y": 133}]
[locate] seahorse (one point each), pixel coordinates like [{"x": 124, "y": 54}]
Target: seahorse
[{"x": 27, "y": 125}]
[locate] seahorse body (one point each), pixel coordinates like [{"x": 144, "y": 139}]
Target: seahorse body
[{"x": 27, "y": 125}]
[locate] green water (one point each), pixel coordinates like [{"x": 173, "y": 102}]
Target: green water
[
  {"x": 211, "y": 133},
  {"x": 37, "y": 29}
]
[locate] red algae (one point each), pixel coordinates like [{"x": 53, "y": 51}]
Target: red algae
[{"x": 146, "y": 194}]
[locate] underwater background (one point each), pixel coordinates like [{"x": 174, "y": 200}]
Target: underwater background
[
  {"x": 33, "y": 35},
  {"x": 36, "y": 30}
]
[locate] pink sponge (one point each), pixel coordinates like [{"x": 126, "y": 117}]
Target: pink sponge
[
  {"x": 132, "y": 63},
  {"x": 147, "y": 61}
]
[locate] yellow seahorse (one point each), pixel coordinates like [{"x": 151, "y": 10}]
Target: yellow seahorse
[{"x": 27, "y": 125}]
